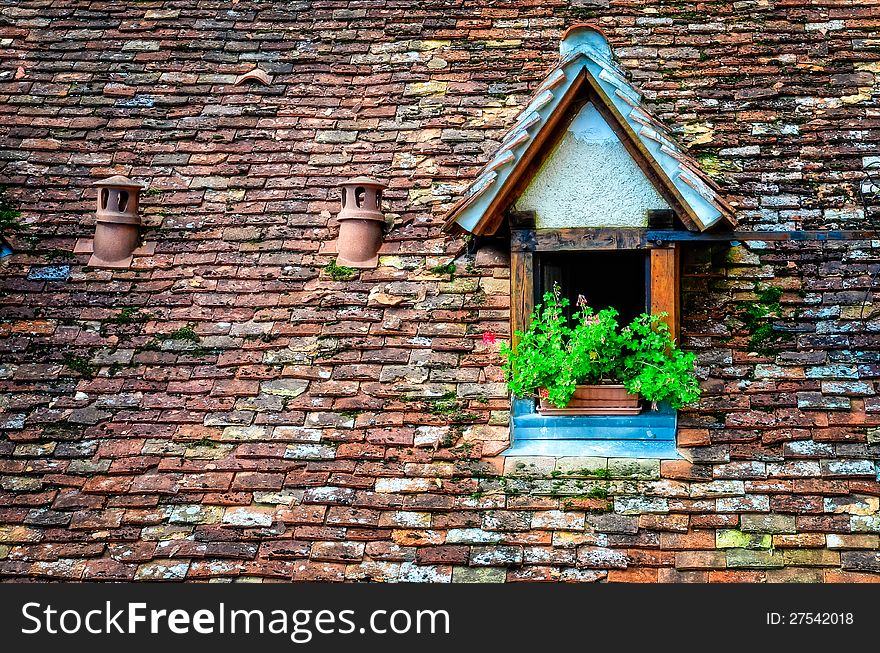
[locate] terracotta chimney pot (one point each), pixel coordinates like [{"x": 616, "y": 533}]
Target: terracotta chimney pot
[
  {"x": 117, "y": 223},
  {"x": 361, "y": 223}
]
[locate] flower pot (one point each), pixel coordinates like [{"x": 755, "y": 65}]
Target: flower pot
[{"x": 596, "y": 400}]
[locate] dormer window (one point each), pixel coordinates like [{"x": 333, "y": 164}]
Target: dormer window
[{"x": 582, "y": 183}]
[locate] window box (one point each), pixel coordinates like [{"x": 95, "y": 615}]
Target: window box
[{"x": 596, "y": 400}]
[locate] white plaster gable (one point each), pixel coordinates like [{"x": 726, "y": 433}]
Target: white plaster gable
[{"x": 590, "y": 180}]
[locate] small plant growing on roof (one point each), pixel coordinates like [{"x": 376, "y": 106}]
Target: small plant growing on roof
[
  {"x": 339, "y": 272},
  {"x": 10, "y": 216},
  {"x": 78, "y": 364},
  {"x": 444, "y": 269},
  {"x": 186, "y": 334},
  {"x": 129, "y": 315},
  {"x": 10, "y": 220},
  {"x": 757, "y": 318},
  {"x": 556, "y": 356}
]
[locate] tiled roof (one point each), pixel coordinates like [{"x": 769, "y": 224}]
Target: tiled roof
[
  {"x": 586, "y": 49},
  {"x": 230, "y": 409}
]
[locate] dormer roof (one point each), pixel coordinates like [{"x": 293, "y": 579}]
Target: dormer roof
[{"x": 587, "y": 66}]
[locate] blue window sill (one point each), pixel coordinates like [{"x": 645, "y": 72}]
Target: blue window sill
[{"x": 651, "y": 434}]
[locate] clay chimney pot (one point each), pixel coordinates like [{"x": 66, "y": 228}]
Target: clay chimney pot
[
  {"x": 361, "y": 222},
  {"x": 117, "y": 223},
  {"x": 118, "y": 199}
]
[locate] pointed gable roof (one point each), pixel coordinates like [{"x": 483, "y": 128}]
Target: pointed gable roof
[{"x": 586, "y": 63}]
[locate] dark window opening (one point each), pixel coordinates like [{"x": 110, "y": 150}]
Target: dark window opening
[{"x": 616, "y": 279}]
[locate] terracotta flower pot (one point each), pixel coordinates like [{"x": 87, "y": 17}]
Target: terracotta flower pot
[{"x": 596, "y": 400}]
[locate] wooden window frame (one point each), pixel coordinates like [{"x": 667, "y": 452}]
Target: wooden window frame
[{"x": 664, "y": 287}]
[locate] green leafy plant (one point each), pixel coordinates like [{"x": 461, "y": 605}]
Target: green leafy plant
[
  {"x": 448, "y": 268},
  {"x": 78, "y": 364},
  {"x": 654, "y": 366},
  {"x": 129, "y": 315},
  {"x": 556, "y": 354}
]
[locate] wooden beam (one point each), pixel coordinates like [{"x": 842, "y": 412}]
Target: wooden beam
[
  {"x": 521, "y": 219},
  {"x": 522, "y": 291},
  {"x": 588, "y": 238},
  {"x": 665, "y": 286},
  {"x": 578, "y": 239},
  {"x": 523, "y": 240},
  {"x": 573, "y": 239}
]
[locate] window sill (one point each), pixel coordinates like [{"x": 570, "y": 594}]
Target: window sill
[{"x": 650, "y": 434}]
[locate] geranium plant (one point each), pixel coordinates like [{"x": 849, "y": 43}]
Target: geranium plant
[{"x": 556, "y": 354}]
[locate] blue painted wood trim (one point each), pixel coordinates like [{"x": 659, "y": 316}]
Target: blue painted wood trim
[
  {"x": 669, "y": 235},
  {"x": 650, "y": 434}
]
